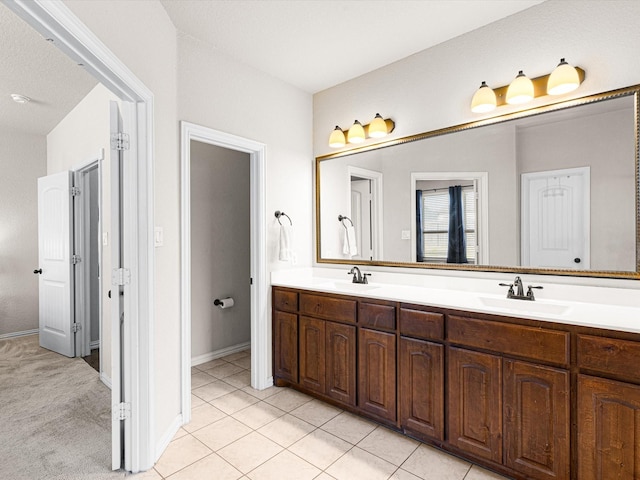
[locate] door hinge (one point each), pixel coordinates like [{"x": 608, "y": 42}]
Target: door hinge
[
  {"x": 120, "y": 276},
  {"x": 75, "y": 191},
  {"x": 119, "y": 141},
  {"x": 75, "y": 259},
  {"x": 122, "y": 411},
  {"x": 76, "y": 327}
]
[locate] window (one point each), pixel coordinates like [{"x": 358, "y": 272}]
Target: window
[{"x": 435, "y": 224}]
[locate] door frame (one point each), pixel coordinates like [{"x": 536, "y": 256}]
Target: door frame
[
  {"x": 56, "y": 21},
  {"x": 525, "y": 186},
  {"x": 82, "y": 247},
  {"x": 377, "y": 203},
  {"x": 261, "y": 375}
]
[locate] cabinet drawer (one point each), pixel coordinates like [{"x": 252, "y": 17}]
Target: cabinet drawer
[
  {"x": 609, "y": 355},
  {"x": 536, "y": 343},
  {"x": 331, "y": 308},
  {"x": 285, "y": 300},
  {"x": 421, "y": 324},
  {"x": 375, "y": 315}
]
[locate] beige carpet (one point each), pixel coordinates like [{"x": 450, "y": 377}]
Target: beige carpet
[{"x": 54, "y": 416}]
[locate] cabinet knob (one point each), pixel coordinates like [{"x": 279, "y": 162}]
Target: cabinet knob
[{"x": 577, "y": 260}]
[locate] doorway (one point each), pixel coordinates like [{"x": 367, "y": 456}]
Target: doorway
[
  {"x": 365, "y": 188},
  {"x": 261, "y": 376}
]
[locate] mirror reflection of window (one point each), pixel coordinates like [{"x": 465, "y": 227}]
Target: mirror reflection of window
[{"x": 436, "y": 219}]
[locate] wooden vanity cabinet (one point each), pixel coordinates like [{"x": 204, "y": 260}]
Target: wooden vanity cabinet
[
  {"x": 608, "y": 408},
  {"x": 532, "y": 400},
  {"x": 510, "y": 411},
  {"x": 377, "y": 359},
  {"x": 421, "y": 372}
]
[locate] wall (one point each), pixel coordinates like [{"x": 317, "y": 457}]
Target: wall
[
  {"x": 23, "y": 160},
  {"x": 220, "y": 93},
  {"x": 141, "y": 35},
  {"x": 220, "y": 248},
  {"x": 81, "y": 137},
  {"x": 433, "y": 88}
]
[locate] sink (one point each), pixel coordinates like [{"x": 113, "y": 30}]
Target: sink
[
  {"x": 351, "y": 287},
  {"x": 535, "y": 306}
]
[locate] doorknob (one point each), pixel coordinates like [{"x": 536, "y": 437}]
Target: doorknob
[{"x": 38, "y": 271}]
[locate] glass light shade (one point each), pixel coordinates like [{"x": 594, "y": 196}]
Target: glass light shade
[
  {"x": 356, "y": 133},
  {"x": 336, "y": 140},
  {"x": 563, "y": 79},
  {"x": 378, "y": 127},
  {"x": 484, "y": 100},
  {"x": 520, "y": 90}
]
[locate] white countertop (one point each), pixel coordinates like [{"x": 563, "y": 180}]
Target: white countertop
[{"x": 589, "y": 306}]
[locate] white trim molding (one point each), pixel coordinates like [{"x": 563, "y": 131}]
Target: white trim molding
[
  {"x": 23, "y": 333},
  {"x": 54, "y": 20},
  {"x": 260, "y": 369}
]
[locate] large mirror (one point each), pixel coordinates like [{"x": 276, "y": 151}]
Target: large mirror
[{"x": 550, "y": 190}]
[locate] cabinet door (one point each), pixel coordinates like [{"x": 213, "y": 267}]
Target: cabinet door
[
  {"x": 608, "y": 429},
  {"x": 536, "y": 420},
  {"x": 312, "y": 354},
  {"x": 285, "y": 334},
  {"x": 475, "y": 403},
  {"x": 377, "y": 373},
  {"x": 422, "y": 387},
  {"x": 341, "y": 362}
]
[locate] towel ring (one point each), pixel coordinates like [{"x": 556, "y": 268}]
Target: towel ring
[
  {"x": 341, "y": 218},
  {"x": 279, "y": 214}
]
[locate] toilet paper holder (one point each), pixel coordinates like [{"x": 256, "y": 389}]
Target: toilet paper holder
[{"x": 224, "y": 302}]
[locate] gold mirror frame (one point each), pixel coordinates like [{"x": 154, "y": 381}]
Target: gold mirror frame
[{"x": 628, "y": 91}]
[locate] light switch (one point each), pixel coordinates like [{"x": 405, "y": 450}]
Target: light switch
[
  {"x": 158, "y": 237},
  {"x": 406, "y": 235},
  {"x": 105, "y": 239}
]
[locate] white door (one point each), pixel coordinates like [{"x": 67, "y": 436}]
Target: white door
[
  {"x": 117, "y": 294},
  {"x": 55, "y": 268},
  {"x": 555, "y": 219},
  {"x": 361, "y": 216}
]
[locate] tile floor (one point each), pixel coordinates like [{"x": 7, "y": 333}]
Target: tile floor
[{"x": 237, "y": 432}]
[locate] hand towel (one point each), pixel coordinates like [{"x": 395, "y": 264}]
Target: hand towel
[
  {"x": 349, "y": 245},
  {"x": 286, "y": 243}
]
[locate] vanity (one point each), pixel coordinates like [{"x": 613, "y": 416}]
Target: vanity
[
  {"x": 544, "y": 389},
  {"x": 528, "y": 398}
]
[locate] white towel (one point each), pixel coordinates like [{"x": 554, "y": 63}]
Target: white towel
[
  {"x": 286, "y": 242},
  {"x": 349, "y": 245}
]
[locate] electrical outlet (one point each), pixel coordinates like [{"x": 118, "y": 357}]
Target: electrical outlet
[
  {"x": 105, "y": 239},
  {"x": 406, "y": 235}
]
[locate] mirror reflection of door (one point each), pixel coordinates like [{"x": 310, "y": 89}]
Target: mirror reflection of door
[
  {"x": 555, "y": 219},
  {"x": 365, "y": 193},
  {"x": 361, "y": 216}
]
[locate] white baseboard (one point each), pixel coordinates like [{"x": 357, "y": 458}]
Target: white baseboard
[
  {"x": 207, "y": 357},
  {"x": 167, "y": 436},
  {"x": 94, "y": 345},
  {"x": 106, "y": 380},
  {"x": 19, "y": 334}
]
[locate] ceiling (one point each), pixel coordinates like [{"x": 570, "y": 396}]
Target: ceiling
[
  {"x": 316, "y": 44},
  {"x": 33, "y": 67},
  {"x": 311, "y": 44}
]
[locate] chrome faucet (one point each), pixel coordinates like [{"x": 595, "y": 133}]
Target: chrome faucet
[
  {"x": 519, "y": 294},
  {"x": 358, "y": 277}
]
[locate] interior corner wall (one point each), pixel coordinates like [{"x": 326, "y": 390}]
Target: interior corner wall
[
  {"x": 77, "y": 139},
  {"x": 23, "y": 159},
  {"x": 220, "y": 248},
  {"x": 141, "y": 35}
]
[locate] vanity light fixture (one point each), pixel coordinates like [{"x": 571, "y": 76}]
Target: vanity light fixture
[
  {"x": 484, "y": 100},
  {"x": 378, "y": 128},
  {"x": 356, "y": 133},
  {"x": 563, "y": 79},
  {"x": 337, "y": 140},
  {"x": 520, "y": 90}
]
